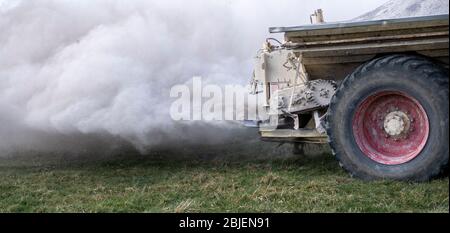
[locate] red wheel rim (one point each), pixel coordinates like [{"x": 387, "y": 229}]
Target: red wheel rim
[{"x": 391, "y": 127}]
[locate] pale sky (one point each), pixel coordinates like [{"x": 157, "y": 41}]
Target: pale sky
[
  {"x": 335, "y": 10},
  {"x": 339, "y": 10}
]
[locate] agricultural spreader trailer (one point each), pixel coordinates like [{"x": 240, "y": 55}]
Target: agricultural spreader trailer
[{"x": 376, "y": 91}]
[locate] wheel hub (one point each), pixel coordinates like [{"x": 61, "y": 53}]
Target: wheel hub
[
  {"x": 396, "y": 123},
  {"x": 390, "y": 127}
]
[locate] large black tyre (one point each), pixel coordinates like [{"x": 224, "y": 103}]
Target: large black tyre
[{"x": 403, "y": 76}]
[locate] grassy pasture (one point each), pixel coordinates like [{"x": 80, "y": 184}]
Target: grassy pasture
[{"x": 161, "y": 183}]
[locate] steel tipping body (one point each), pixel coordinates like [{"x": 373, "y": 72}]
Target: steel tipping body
[{"x": 332, "y": 50}]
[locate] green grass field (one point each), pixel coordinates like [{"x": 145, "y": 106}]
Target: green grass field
[{"x": 154, "y": 184}]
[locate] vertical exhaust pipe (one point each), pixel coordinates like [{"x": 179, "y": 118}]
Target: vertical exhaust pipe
[{"x": 317, "y": 17}]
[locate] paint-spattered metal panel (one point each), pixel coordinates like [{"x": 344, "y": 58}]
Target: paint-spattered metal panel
[
  {"x": 332, "y": 50},
  {"x": 364, "y": 26}
]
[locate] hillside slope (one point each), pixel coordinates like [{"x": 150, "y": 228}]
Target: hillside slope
[{"x": 406, "y": 8}]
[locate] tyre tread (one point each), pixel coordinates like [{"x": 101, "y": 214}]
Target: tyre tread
[{"x": 413, "y": 63}]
